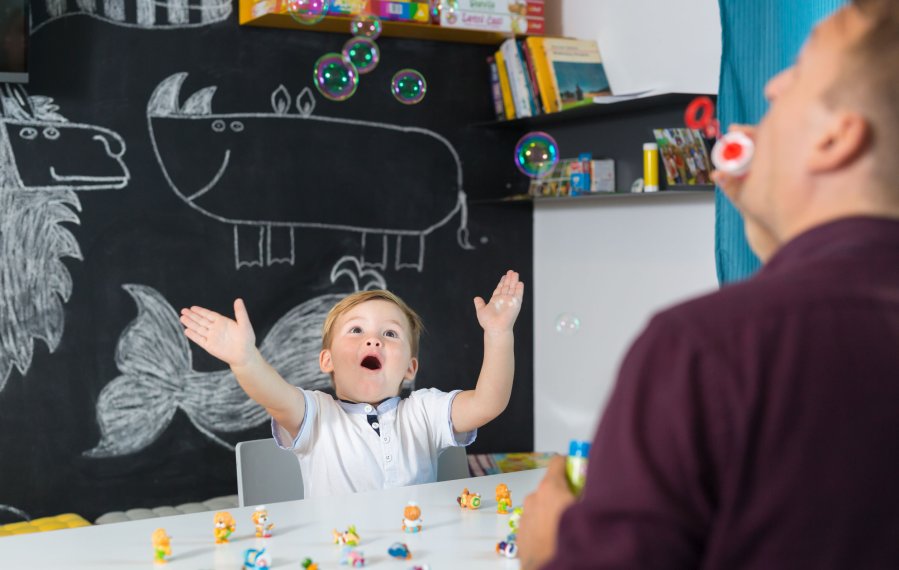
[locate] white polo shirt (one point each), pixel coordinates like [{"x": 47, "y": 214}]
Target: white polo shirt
[{"x": 340, "y": 449}]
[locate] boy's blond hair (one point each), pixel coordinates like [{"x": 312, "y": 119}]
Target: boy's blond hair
[{"x": 350, "y": 301}]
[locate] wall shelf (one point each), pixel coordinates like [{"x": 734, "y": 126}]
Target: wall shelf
[
  {"x": 680, "y": 190},
  {"x": 595, "y": 111},
  {"x": 254, "y": 13}
]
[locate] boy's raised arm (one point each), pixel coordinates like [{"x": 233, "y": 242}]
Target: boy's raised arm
[
  {"x": 234, "y": 342},
  {"x": 474, "y": 408}
]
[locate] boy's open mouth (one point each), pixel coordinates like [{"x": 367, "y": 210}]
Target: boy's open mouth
[{"x": 371, "y": 362}]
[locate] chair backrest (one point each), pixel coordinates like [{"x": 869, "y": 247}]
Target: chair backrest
[
  {"x": 452, "y": 464},
  {"x": 268, "y": 474}
]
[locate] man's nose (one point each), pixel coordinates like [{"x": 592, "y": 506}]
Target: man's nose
[{"x": 775, "y": 84}]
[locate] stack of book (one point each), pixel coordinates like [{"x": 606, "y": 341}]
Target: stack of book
[
  {"x": 508, "y": 16},
  {"x": 540, "y": 75}
]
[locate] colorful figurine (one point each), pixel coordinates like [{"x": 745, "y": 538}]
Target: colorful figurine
[
  {"x": 255, "y": 559},
  {"x": 399, "y": 550},
  {"x": 503, "y": 499},
  {"x": 348, "y": 538},
  {"x": 224, "y": 526},
  {"x": 469, "y": 500},
  {"x": 308, "y": 564},
  {"x": 351, "y": 557},
  {"x": 412, "y": 518},
  {"x": 507, "y": 548},
  {"x": 161, "y": 546},
  {"x": 513, "y": 520},
  {"x": 260, "y": 518}
]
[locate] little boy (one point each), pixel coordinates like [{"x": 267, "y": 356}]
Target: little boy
[{"x": 368, "y": 438}]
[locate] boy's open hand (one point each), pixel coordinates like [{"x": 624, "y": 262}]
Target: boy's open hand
[
  {"x": 232, "y": 341},
  {"x": 500, "y": 313}
]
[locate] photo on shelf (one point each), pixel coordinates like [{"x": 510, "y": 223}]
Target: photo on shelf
[
  {"x": 685, "y": 156},
  {"x": 575, "y": 176}
]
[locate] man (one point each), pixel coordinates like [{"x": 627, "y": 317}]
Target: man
[{"x": 758, "y": 427}]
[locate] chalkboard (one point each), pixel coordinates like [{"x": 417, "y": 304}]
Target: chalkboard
[{"x": 163, "y": 156}]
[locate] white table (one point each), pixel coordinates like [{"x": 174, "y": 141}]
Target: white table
[{"x": 451, "y": 538}]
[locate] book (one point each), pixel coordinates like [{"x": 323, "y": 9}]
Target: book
[
  {"x": 684, "y": 155},
  {"x": 517, "y": 80},
  {"x": 493, "y": 22},
  {"x": 505, "y": 88},
  {"x": 532, "y": 76},
  {"x": 544, "y": 75},
  {"x": 577, "y": 71},
  {"x": 495, "y": 89}
]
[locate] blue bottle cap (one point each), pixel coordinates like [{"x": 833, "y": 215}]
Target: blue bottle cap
[{"x": 578, "y": 448}]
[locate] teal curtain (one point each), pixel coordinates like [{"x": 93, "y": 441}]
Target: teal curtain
[{"x": 759, "y": 39}]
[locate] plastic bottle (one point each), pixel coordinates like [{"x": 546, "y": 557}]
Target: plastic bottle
[{"x": 576, "y": 465}]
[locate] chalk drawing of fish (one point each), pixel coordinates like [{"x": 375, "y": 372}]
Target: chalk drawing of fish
[{"x": 157, "y": 377}]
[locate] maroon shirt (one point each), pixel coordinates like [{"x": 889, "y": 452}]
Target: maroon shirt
[{"x": 757, "y": 427}]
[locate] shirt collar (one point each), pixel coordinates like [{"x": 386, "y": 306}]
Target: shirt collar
[
  {"x": 368, "y": 409},
  {"x": 836, "y": 238}
]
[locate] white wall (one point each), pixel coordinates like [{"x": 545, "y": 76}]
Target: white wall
[
  {"x": 612, "y": 262},
  {"x": 670, "y": 45}
]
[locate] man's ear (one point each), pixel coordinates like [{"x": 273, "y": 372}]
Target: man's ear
[
  {"x": 324, "y": 361},
  {"x": 412, "y": 370},
  {"x": 844, "y": 140}
]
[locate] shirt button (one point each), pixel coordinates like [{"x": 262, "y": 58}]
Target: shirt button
[
  {"x": 375, "y": 425},
  {"x": 368, "y": 408},
  {"x": 386, "y": 439},
  {"x": 387, "y": 457}
]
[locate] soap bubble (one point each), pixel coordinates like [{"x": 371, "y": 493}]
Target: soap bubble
[
  {"x": 308, "y": 12},
  {"x": 408, "y": 86},
  {"x": 334, "y": 77},
  {"x": 567, "y": 324},
  {"x": 536, "y": 154},
  {"x": 366, "y": 25},
  {"x": 362, "y": 53}
]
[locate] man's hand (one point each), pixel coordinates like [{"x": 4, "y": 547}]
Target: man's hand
[
  {"x": 539, "y": 525},
  {"x": 232, "y": 341},
  {"x": 500, "y": 313}
]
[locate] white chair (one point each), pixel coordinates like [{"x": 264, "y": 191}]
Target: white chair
[{"x": 267, "y": 474}]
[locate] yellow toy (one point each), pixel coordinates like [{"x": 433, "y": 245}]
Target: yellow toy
[
  {"x": 224, "y": 526},
  {"x": 469, "y": 500},
  {"x": 348, "y": 538},
  {"x": 161, "y": 546},
  {"x": 503, "y": 499},
  {"x": 260, "y": 518}
]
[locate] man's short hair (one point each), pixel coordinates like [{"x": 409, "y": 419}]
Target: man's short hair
[
  {"x": 870, "y": 78},
  {"x": 350, "y": 301}
]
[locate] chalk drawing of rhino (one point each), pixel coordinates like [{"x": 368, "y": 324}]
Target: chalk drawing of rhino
[
  {"x": 391, "y": 185},
  {"x": 44, "y": 160}
]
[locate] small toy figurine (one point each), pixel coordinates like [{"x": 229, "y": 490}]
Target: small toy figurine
[
  {"x": 224, "y": 526},
  {"x": 507, "y": 547},
  {"x": 513, "y": 520},
  {"x": 348, "y": 538},
  {"x": 469, "y": 500},
  {"x": 351, "y": 557},
  {"x": 503, "y": 499},
  {"x": 308, "y": 564},
  {"x": 412, "y": 518},
  {"x": 399, "y": 550},
  {"x": 260, "y": 518},
  {"x": 161, "y": 546},
  {"x": 257, "y": 559}
]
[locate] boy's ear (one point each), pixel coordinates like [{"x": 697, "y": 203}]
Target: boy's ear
[
  {"x": 412, "y": 370},
  {"x": 324, "y": 361},
  {"x": 844, "y": 139}
]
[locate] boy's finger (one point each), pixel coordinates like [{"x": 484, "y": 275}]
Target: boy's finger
[
  {"x": 479, "y": 303},
  {"x": 240, "y": 313},
  {"x": 205, "y": 313},
  {"x": 189, "y": 318},
  {"x": 195, "y": 336}
]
